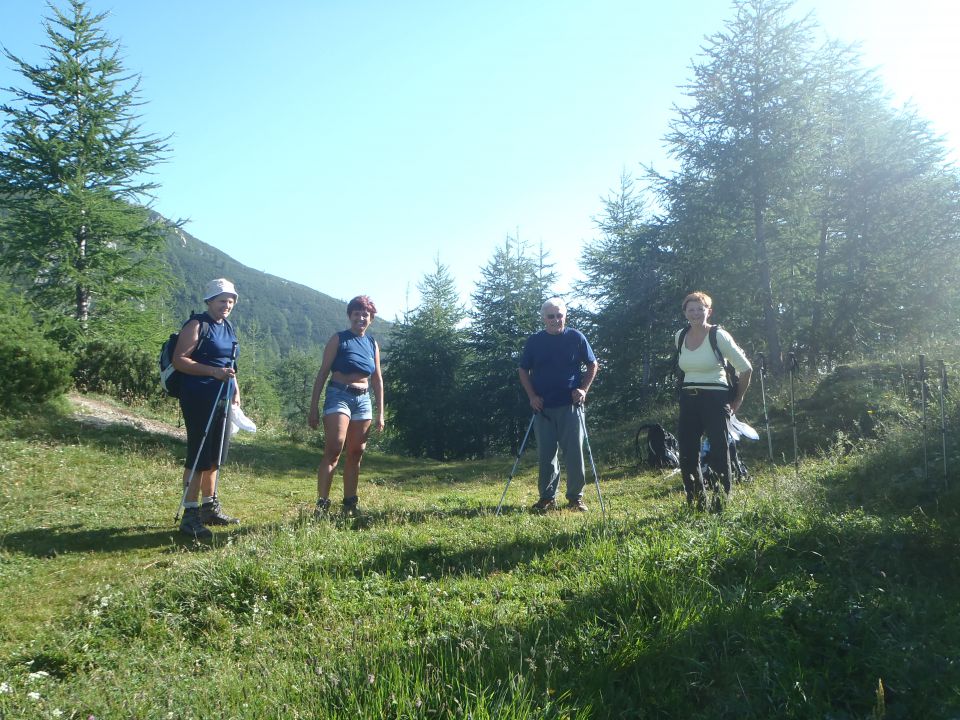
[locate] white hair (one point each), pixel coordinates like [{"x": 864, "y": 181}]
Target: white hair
[{"x": 556, "y": 302}]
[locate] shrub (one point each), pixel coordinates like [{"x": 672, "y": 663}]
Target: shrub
[
  {"x": 117, "y": 369},
  {"x": 33, "y": 368}
]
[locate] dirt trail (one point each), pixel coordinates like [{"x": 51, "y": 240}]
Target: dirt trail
[{"x": 102, "y": 414}]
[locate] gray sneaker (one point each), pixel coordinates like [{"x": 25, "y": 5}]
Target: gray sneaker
[
  {"x": 576, "y": 504},
  {"x": 212, "y": 514},
  {"x": 191, "y": 525},
  {"x": 543, "y": 505}
]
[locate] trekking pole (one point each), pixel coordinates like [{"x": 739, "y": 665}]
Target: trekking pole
[
  {"x": 763, "y": 394},
  {"x": 943, "y": 422},
  {"x": 793, "y": 416},
  {"x": 923, "y": 410},
  {"x": 231, "y": 391},
  {"x": 196, "y": 459},
  {"x": 515, "y": 463},
  {"x": 596, "y": 478}
]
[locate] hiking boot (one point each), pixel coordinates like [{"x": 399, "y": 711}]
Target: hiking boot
[
  {"x": 212, "y": 514},
  {"x": 191, "y": 525},
  {"x": 543, "y": 505},
  {"x": 322, "y": 510},
  {"x": 351, "y": 506},
  {"x": 576, "y": 504}
]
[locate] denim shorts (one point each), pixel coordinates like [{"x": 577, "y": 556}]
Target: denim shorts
[{"x": 356, "y": 407}]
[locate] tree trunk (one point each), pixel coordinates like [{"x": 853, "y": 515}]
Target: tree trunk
[
  {"x": 816, "y": 324},
  {"x": 766, "y": 286}
]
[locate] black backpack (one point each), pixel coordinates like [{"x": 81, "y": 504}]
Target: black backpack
[
  {"x": 661, "y": 447},
  {"x": 170, "y": 377},
  {"x": 733, "y": 377}
]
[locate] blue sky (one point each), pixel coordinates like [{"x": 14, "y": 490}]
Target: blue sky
[{"x": 348, "y": 145}]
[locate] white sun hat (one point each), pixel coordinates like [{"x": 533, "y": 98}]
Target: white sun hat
[{"x": 218, "y": 287}]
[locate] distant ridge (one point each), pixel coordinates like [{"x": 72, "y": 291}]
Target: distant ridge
[{"x": 278, "y": 314}]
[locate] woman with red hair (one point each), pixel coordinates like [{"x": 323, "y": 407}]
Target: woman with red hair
[{"x": 352, "y": 360}]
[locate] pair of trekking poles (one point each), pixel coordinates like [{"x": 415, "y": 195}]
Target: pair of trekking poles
[
  {"x": 523, "y": 445},
  {"x": 230, "y": 386},
  {"x": 793, "y": 367}
]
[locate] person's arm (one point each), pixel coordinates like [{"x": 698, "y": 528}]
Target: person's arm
[
  {"x": 329, "y": 355},
  {"x": 738, "y": 358},
  {"x": 377, "y": 381},
  {"x": 579, "y": 395},
  {"x": 536, "y": 402},
  {"x": 742, "y": 384}
]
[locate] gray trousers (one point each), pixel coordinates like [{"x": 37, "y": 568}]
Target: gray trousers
[{"x": 559, "y": 430}]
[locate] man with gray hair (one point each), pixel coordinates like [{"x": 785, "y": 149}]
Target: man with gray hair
[{"x": 553, "y": 376}]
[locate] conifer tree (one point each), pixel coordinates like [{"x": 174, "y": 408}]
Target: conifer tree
[
  {"x": 506, "y": 310},
  {"x": 73, "y": 161},
  {"x": 424, "y": 373}
]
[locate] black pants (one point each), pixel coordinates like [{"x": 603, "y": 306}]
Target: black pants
[
  {"x": 196, "y": 415},
  {"x": 703, "y": 412}
]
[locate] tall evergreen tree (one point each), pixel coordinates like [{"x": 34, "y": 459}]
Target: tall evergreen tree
[
  {"x": 72, "y": 165},
  {"x": 820, "y": 218},
  {"x": 741, "y": 147},
  {"x": 424, "y": 373},
  {"x": 631, "y": 296},
  {"x": 506, "y": 310}
]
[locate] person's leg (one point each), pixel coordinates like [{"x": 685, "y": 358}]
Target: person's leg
[
  {"x": 335, "y": 435},
  {"x": 715, "y": 418},
  {"x": 356, "y": 442},
  {"x": 545, "y": 430},
  {"x": 689, "y": 431},
  {"x": 571, "y": 443}
]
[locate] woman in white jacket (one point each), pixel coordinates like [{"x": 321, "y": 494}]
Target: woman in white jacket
[{"x": 705, "y": 402}]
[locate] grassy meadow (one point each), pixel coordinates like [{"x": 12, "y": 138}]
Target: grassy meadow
[{"x": 832, "y": 594}]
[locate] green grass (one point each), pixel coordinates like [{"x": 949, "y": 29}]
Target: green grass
[{"x": 832, "y": 595}]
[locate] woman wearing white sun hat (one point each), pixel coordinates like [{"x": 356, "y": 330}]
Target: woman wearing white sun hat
[{"x": 206, "y": 354}]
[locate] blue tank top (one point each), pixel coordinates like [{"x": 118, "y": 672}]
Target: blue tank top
[
  {"x": 215, "y": 349},
  {"x": 355, "y": 354}
]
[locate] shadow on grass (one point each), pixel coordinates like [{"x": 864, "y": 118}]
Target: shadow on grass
[{"x": 51, "y": 542}]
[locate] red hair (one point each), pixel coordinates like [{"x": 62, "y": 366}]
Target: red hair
[{"x": 362, "y": 302}]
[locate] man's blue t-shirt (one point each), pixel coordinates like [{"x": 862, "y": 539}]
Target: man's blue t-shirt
[{"x": 554, "y": 363}]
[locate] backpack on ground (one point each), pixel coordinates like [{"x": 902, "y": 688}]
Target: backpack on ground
[
  {"x": 170, "y": 377},
  {"x": 733, "y": 377},
  {"x": 661, "y": 447}
]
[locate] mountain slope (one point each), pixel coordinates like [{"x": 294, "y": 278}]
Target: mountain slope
[{"x": 278, "y": 313}]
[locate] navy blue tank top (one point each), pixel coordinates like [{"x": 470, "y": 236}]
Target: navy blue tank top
[{"x": 355, "y": 354}]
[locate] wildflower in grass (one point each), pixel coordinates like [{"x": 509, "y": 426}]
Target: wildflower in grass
[
  {"x": 371, "y": 679},
  {"x": 38, "y": 675},
  {"x": 56, "y": 712},
  {"x": 33, "y": 695},
  {"x": 5, "y": 688}
]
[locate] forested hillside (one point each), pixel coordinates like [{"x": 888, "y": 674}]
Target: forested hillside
[{"x": 281, "y": 314}]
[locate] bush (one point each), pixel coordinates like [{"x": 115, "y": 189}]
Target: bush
[
  {"x": 120, "y": 370},
  {"x": 33, "y": 368}
]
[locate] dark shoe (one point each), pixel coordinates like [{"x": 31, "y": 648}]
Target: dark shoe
[
  {"x": 322, "y": 510},
  {"x": 543, "y": 505},
  {"x": 191, "y": 525},
  {"x": 577, "y": 505},
  {"x": 351, "y": 506},
  {"x": 212, "y": 514}
]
